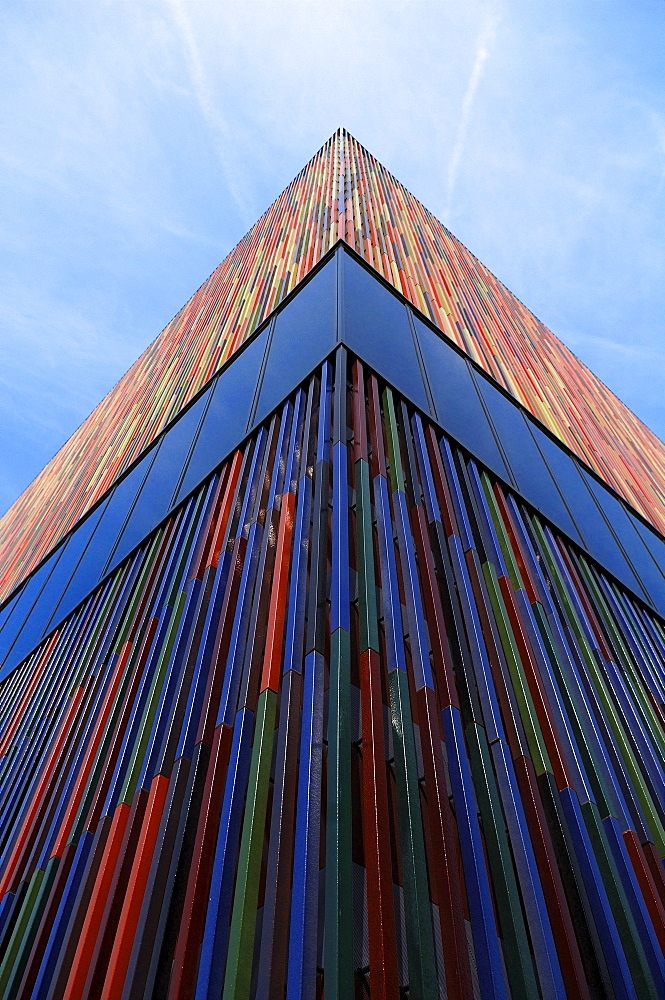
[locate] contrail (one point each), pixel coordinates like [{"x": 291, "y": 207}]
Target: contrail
[
  {"x": 209, "y": 109},
  {"x": 485, "y": 40}
]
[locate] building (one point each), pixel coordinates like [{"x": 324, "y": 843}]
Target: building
[{"x": 333, "y": 643}]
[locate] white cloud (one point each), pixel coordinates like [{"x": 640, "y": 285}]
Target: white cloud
[
  {"x": 485, "y": 42},
  {"x": 140, "y": 141}
]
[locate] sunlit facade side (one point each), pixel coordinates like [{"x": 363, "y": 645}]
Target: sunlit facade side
[
  {"x": 350, "y": 684},
  {"x": 343, "y": 193}
]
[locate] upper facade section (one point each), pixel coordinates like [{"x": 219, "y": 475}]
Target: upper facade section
[{"x": 342, "y": 193}]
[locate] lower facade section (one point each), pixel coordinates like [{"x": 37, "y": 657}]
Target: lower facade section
[{"x": 353, "y": 722}]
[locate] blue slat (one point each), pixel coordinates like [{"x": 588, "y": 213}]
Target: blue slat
[
  {"x": 301, "y": 972},
  {"x": 485, "y": 682},
  {"x": 340, "y": 609},
  {"x": 456, "y": 495},
  {"x": 425, "y": 469},
  {"x": 602, "y": 912},
  {"x": 62, "y": 917},
  {"x": 197, "y": 688},
  {"x": 647, "y": 935},
  {"x": 485, "y": 522},
  {"x": 392, "y": 614},
  {"x": 212, "y": 962},
  {"x": 555, "y": 703},
  {"x": 241, "y": 622},
  {"x": 483, "y": 925},
  {"x": 325, "y": 403},
  {"x": 535, "y": 908},
  {"x": 295, "y": 619},
  {"x": 422, "y": 667}
]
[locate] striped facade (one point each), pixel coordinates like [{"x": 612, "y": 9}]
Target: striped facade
[
  {"x": 350, "y": 704},
  {"x": 343, "y": 193}
]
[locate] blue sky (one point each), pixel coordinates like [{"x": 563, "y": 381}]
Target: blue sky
[{"x": 139, "y": 142}]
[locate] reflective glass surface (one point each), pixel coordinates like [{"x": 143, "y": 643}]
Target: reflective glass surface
[
  {"x": 64, "y": 560},
  {"x": 15, "y": 617},
  {"x": 531, "y": 475},
  {"x": 304, "y": 333},
  {"x": 652, "y": 567},
  {"x": 53, "y": 577},
  {"x": 95, "y": 558},
  {"x": 376, "y": 326},
  {"x": 5, "y": 641},
  {"x": 225, "y": 421},
  {"x": 69, "y": 561},
  {"x": 154, "y": 500},
  {"x": 592, "y": 526},
  {"x": 21, "y": 620},
  {"x": 622, "y": 527},
  {"x": 652, "y": 540},
  {"x": 7, "y": 636},
  {"x": 458, "y": 406},
  {"x": 34, "y": 624},
  {"x": 7, "y": 610}
]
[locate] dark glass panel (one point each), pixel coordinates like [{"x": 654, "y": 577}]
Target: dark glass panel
[
  {"x": 565, "y": 473},
  {"x": 593, "y": 528},
  {"x": 653, "y": 541},
  {"x": 7, "y": 634},
  {"x": 21, "y": 619},
  {"x": 65, "y": 559},
  {"x": 225, "y": 421},
  {"x": 304, "y": 333},
  {"x": 96, "y": 556},
  {"x": 5, "y": 642},
  {"x": 376, "y": 326},
  {"x": 622, "y": 526},
  {"x": 458, "y": 406},
  {"x": 154, "y": 500},
  {"x": 651, "y": 567},
  {"x": 35, "y": 624},
  {"x": 7, "y": 610},
  {"x": 531, "y": 475},
  {"x": 67, "y": 565}
]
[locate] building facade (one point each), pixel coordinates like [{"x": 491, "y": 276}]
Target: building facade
[{"x": 332, "y": 646}]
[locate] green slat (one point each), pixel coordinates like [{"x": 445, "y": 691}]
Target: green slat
[
  {"x": 137, "y": 595},
  {"x": 18, "y": 938},
  {"x": 367, "y": 608},
  {"x": 338, "y": 945},
  {"x": 630, "y": 675},
  {"x": 238, "y": 976},
  {"x": 101, "y": 755},
  {"x": 394, "y": 456},
  {"x": 418, "y": 911},
  {"x": 622, "y": 744},
  {"x": 500, "y": 528},
  {"x": 539, "y": 754},
  {"x": 100, "y": 621},
  {"x": 158, "y": 681},
  {"x": 32, "y": 927},
  {"x": 630, "y": 938},
  {"x": 516, "y": 950},
  {"x": 568, "y": 695}
]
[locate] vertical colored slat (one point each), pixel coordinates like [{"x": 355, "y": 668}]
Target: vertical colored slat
[
  {"x": 271, "y": 972},
  {"x": 520, "y": 967},
  {"x": 241, "y": 936},
  {"x": 302, "y": 960},
  {"x": 146, "y": 848},
  {"x": 381, "y": 910},
  {"x": 212, "y": 962},
  {"x": 338, "y": 946},
  {"x": 338, "y": 954},
  {"x": 485, "y": 938}
]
